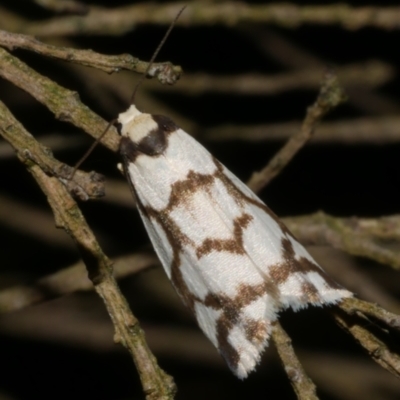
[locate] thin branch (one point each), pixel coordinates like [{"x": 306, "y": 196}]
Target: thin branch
[
  {"x": 364, "y": 237},
  {"x": 68, "y": 280},
  {"x": 84, "y": 186},
  {"x": 330, "y": 96},
  {"x": 156, "y": 383},
  {"x": 301, "y": 383},
  {"x": 54, "y": 140},
  {"x": 65, "y": 104},
  {"x": 353, "y": 306},
  {"x": 11, "y": 21},
  {"x": 165, "y": 72},
  {"x": 292, "y": 56},
  {"x": 64, "y": 6},
  {"x": 376, "y": 348},
  {"x": 370, "y": 74},
  {"x": 373, "y": 130},
  {"x": 346, "y": 376},
  {"x": 120, "y": 20}
]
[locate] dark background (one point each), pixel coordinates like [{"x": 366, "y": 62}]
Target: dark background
[{"x": 63, "y": 349}]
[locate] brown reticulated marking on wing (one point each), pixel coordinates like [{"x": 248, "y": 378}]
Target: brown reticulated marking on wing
[
  {"x": 231, "y": 313},
  {"x": 182, "y": 190},
  {"x": 257, "y": 331},
  {"x": 241, "y": 198},
  {"x": 280, "y": 272},
  {"x": 234, "y": 245},
  {"x": 311, "y": 293},
  {"x": 177, "y": 241}
]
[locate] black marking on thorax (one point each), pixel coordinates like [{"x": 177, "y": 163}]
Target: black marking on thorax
[{"x": 153, "y": 144}]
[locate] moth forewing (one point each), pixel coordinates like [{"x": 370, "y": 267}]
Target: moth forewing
[{"x": 231, "y": 260}]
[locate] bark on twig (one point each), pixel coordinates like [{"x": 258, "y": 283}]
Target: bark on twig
[
  {"x": 156, "y": 383},
  {"x": 353, "y": 306},
  {"x": 84, "y": 185},
  {"x": 165, "y": 72},
  {"x": 364, "y": 237},
  {"x": 65, "y": 104},
  {"x": 301, "y": 383},
  {"x": 359, "y": 328},
  {"x": 330, "y": 96},
  {"x": 120, "y": 20}
]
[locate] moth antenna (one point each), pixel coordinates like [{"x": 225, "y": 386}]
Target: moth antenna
[
  {"x": 153, "y": 57},
  {"x": 97, "y": 141},
  {"x": 91, "y": 148}
]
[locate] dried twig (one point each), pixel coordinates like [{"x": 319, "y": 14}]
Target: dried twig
[
  {"x": 165, "y": 72},
  {"x": 117, "y": 21},
  {"x": 55, "y": 141},
  {"x": 156, "y": 383},
  {"x": 65, "y": 104},
  {"x": 330, "y": 95},
  {"x": 369, "y": 74},
  {"x": 293, "y": 56},
  {"x": 373, "y": 130},
  {"x": 67, "y": 281},
  {"x": 84, "y": 185},
  {"x": 358, "y": 236},
  {"x": 360, "y": 330},
  {"x": 64, "y": 6},
  {"x": 301, "y": 383},
  {"x": 353, "y": 306}
]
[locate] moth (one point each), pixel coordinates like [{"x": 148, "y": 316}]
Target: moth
[{"x": 231, "y": 260}]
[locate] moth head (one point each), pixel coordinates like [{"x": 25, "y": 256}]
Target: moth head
[
  {"x": 143, "y": 133},
  {"x": 134, "y": 124}
]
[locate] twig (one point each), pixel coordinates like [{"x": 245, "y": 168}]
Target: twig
[
  {"x": 67, "y": 281},
  {"x": 330, "y": 96},
  {"x": 156, "y": 383},
  {"x": 54, "y": 140},
  {"x": 376, "y": 348},
  {"x": 349, "y": 272},
  {"x": 369, "y": 74},
  {"x": 117, "y": 21},
  {"x": 64, "y": 6},
  {"x": 11, "y": 21},
  {"x": 358, "y": 236},
  {"x": 346, "y": 376},
  {"x": 293, "y": 56},
  {"x": 353, "y": 306},
  {"x": 85, "y": 185},
  {"x": 165, "y": 72},
  {"x": 372, "y": 130},
  {"x": 65, "y": 104},
  {"x": 301, "y": 383}
]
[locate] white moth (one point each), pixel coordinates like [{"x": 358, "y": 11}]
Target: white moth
[{"x": 231, "y": 260}]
